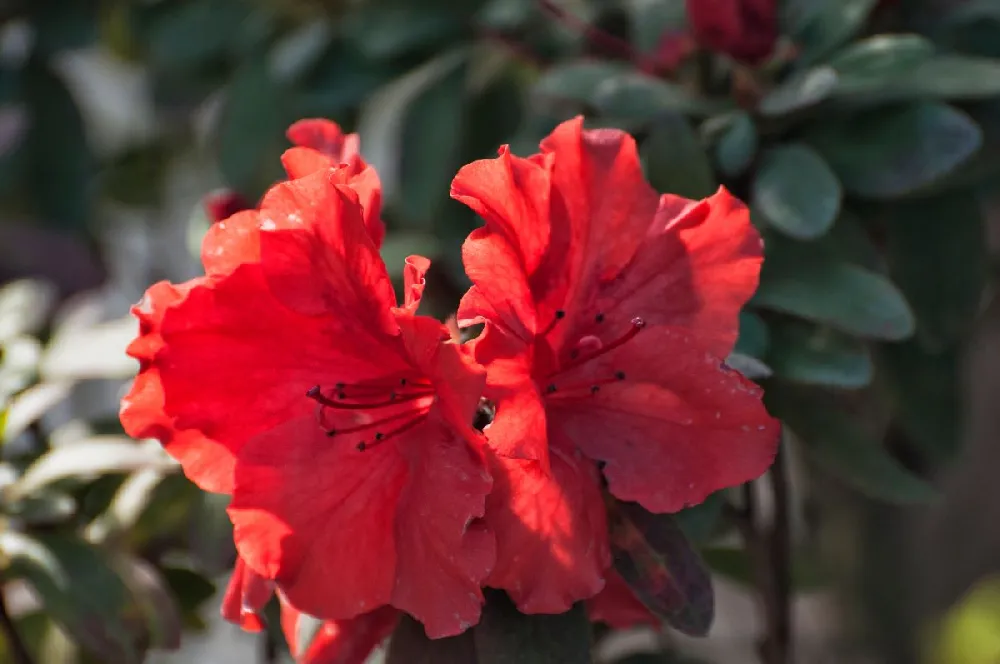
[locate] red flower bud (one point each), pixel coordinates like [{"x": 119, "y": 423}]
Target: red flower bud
[{"x": 744, "y": 29}]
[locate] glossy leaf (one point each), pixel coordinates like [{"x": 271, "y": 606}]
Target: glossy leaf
[
  {"x": 78, "y": 588},
  {"x": 189, "y": 35},
  {"x": 754, "y": 338},
  {"x": 163, "y": 621},
  {"x": 817, "y": 285},
  {"x": 506, "y": 636},
  {"x": 662, "y": 568},
  {"x": 737, "y": 145},
  {"x": 892, "y": 152},
  {"x": 816, "y": 356},
  {"x": 881, "y": 57},
  {"x": 839, "y": 445},
  {"x": 937, "y": 253},
  {"x": 830, "y": 24},
  {"x": 796, "y": 192},
  {"x": 576, "y": 81},
  {"x": 30, "y": 405},
  {"x": 676, "y": 161},
  {"x": 639, "y": 98},
  {"x": 800, "y": 92}
]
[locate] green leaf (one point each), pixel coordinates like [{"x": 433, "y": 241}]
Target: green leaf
[
  {"x": 382, "y": 121},
  {"x": 850, "y": 239},
  {"x": 754, "y": 337},
  {"x": 431, "y": 149},
  {"x": 162, "y": 615},
  {"x": 576, "y": 81},
  {"x": 96, "y": 351},
  {"x": 796, "y": 192},
  {"x": 662, "y": 568},
  {"x": 937, "y": 253},
  {"x": 805, "y": 281},
  {"x": 881, "y": 57},
  {"x": 838, "y": 444},
  {"x": 506, "y": 636},
  {"x": 252, "y": 131},
  {"x": 90, "y": 458},
  {"x": 78, "y": 588},
  {"x": 128, "y": 505},
  {"x": 675, "y": 160},
  {"x": 41, "y": 508},
  {"x": 409, "y": 645},
  {"x": 737, "y": 146},
  {"x": 187, "y": 36},
  {"x": 60, "y": 163},
  {"x": 799, "y": 92},
  {"x": 749, "y": 366},
  {"x": 24, "y": 307},
  {"x": 936, "y": 77},
  {"x": 191, "y": 590},
  {"x": 27, "y": 407},
  {"x": 927, "y": 392},
  {"x": 823, "y": 29},
  {"x": 818, "y": 356},
  {"x": 212, "y": 533},
  {"x": 639, "y": 98},
  {"x": 972, "y": 27},
  {"x": 699, "y": 522},
  {"x": 382, "y": 32},
  {"x": 896, "y": 151},
  {"x": 652, "y": 19}
]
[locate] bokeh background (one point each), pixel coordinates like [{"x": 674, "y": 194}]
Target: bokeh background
[{"x": 865, "y": 136}]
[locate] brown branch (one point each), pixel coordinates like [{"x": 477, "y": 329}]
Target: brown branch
[
  {"x": 15, "y": 645},
  {"x": 605, "y": 40},
  {"x": 769, "y": 551}
]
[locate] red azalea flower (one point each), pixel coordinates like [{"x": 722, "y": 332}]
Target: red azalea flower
[
  {"x": 347, "y": 418},
  {"x": 338, "y": 641},
  {"x": 747, "y": 30},
  {"x": 245, "y": 597},
  {"x": 609, "y": 312}
]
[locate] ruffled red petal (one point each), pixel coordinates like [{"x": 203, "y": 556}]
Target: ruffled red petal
[
  {"x": 245, "y": 597},
  {"x": 327, "y": 138},
  {"x": 339, "y": 641}
]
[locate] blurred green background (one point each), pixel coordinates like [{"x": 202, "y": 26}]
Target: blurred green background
[{"x": 867, "y": 144}]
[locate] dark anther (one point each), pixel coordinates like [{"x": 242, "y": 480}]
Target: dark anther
[
  {"x": 620, "y": 375},
  {"x": 599, "y": 318},
  {"x": 340, "y": 386},
  {"x": 331, "y": 433},
  {"x": 379, "y": 436},
  {"x": 392, "y": 396},
  {"x": 402, "y": 381},
  {"x": 341, "y": 395},
  {"x": 361, "y": 446},
  {"x": 551, "y": 388},
  {"x": 594, "y": 389},
  {"x": 560, "y": 313},
  {"x": 313, "y": 392}
]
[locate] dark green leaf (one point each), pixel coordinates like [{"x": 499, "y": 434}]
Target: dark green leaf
[
  {"x": 927, "y": 392},
  {"x": 63, "y": 24},
  {"x": 651, "y": 20},
  {"x": 937, "y": 255},
  {"x": 754, "y": 337},
  {"x": 804, "y": 281},
  {"x": 896, "y": 151},
  {"x": 972, "y": 27},
  {"x": 432, "y": 144},
  {"x": 881, "y": 57},
  {"x": 212, "y": 533},
  {"x": 699, "y": 522},
  {"x": 675, "y": 159},
  {"x": 832, "y": 23},
  {"x": 838, "y": 444},
  {"x": 818, "y": 356},
  {"x": 162, "y": 615},
  {"x": 737, "y": 146},
  {"x": 61, "y": 166},
  {"x": 78, "y": 588},
  {"x": 639, "y": 98},
  {"x": 796, "y": 192},
  {"x": 662, "y": 568},
  {"x": 190, "y": 34},
  {"x": 799, "y": 92},
  {"x": 191, "y": 590},
  {"x": 576, "y": 81},
  {"x": 409, "y": 645},
  {"x": 381, "y": 32},
  {"x": 506, "y": 636},
  {"x": 338, "y": 82},
  {"x": 252, "y": 132},
  {"x": 44, "y": 507},
  {"x": 850, "y": 239}
]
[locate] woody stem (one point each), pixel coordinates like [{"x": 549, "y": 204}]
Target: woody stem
[{"x": 769, "y": 550}]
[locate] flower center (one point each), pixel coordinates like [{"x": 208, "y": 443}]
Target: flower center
[
  {"x": 586, "y": 349},
  {"x": 401, "y": 403}
]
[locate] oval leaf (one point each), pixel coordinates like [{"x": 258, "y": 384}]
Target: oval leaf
[
  {"x": 799, "y": 92},
  {"x": 817, "y": 356},
  {"x": 675, "y": 159},
  {"x": 506, "y": 636},
  {"x": 662, "y": 568},
  {"x": 801, "y": 280},
  {"x": 409, "y": 645},
  {"x": 838, "y": 444},
  {"x": 639, "y": 98},
  {"x": 737, "y": 145},
  {"x": 893, "y": 152},
  {"x": 796, "y": 192}
]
